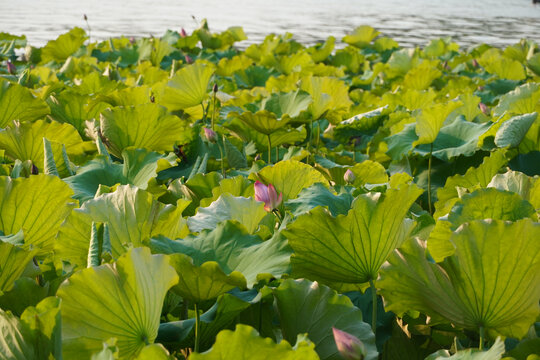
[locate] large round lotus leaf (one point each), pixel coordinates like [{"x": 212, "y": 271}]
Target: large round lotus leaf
[
  {"x": 351, "y": 248},
  {"x": 330, "y": 97},
  {"x": 290, "y": 177},
  {"x": 319, "y": 195},
  {"x": 513, "y": 131},
  {"x": 522, "y": 100},
  {"x": 16, "y": 341},
  {"x": 38, "y": 205},
  {"x": 245, "y": 344},
  {"x": 143, "y": 126},
  {"x": 24, "y": 141},
  {"x": 431, "y": 119},
  {"x": 133, "y": 216},
  {"x": 494, "y": 353},
  {"x": 65, "y": 45},
  {"x": 233, "y": 249},
  {"x": 122, "y": 300},
  {"x": 18, "y": 103},
  {"x": 361, "y": 36},
  {"x": 188, "y": 87},
  {"x": 247, "y": 211},
  {"x": 491, "y": 280},
  {"x": 13, "y": 262},
  {"x": 307, "y": 307}
]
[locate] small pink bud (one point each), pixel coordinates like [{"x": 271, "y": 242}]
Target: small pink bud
[
  {"x": 484, "y": 108},
  {"x": 268, "y": 195},
  {"x": 349, "y": 176},
  {"x": 11, "y": 68},
  {"x": 189, "y": 60},
  {"x": 183, "y": 33},
  {"x": 215, "y": 88},
  {"x": 210, "y": 134},
  {"x": 349, "y": 346},
  {"x": 132, "y": 40},
  {"x": 475, "y": 63},
  {"x": 85, "y": 17}
]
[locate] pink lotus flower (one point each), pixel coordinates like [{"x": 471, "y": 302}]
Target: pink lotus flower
[
  {"x": 11, "y": 68},
  {"x": 183, "y": 33},
  {"x": 484, "y": 108},
  {"x": 349, "y": 346},
  {"x": 268, "y": 195},
  {"x": 210, "y": 134},
  {"x": 189, "y": 60},
  {"x": 349, "y": 176}
]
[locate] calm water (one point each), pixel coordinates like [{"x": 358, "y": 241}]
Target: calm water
[{"x": 410, "y": 22}]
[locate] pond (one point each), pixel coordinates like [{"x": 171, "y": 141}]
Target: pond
[{"x": 410, "y": 22}]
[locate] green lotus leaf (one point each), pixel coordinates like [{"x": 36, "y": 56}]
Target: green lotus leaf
[
  {"x": 522, "y": 100},
  {"x": 474, "y": 177},
  {"x": 18, "y": 103},
  {"x": 490, "y": 282},
  {"x": 252, "y": 76},
  {"x": 139, "y": 167},
  {"x": 528, "y": 188},
  {"x": 24, "y": 141},
  {"x": 422, "y": 76},
  {"x": 319, "y": 195},
  {"x": 430, "y": 121},
  {"x": 13, "y": 263},
  {"x": 38, "y": 205},
  {"x": 143, "y": 126},
  {"x": 236, "y": 186},
  {"x": 330, "y": 97},
  {"x": 24, "y": 293},
  {"x": 44, "y": 324},
  {"x": 494, "y": 353},
  {"x": 351, "y": 248},
  {"x": 204, "y": 281},
  {"x": 188, "y": 87},
  {"x": 64, "y": 46},
  {"x": 16, "y": 338},
  {"x": 275, "y": 112},
  {"x": 361, "y": 36},
  {"x": 122, "y": 300},
  {"x": 481, "y": 204},
  {"x": 307, "y": 307},
  {"x": 369, "y": 172},
  {"x": 290, "y": 177},
  {"x": 233, "y": 249},
  {"x": 295, "y": 62},
  {"x": 247, "y": 211},
  {"x": 513, "y": 131},
  {"x": 154, "y": 352},
  {"x": 224, "y": 312},
  {"x": 74, "y": 108},
  {"x": 360, "y": 123},
  {"x": 245, "y": 344},
  {"x": 126, "y": 97},
  {"x": 133, "y": 217},
  {"x": 470, "y": 109},
  {"x": 533, "y": 63},
  {"x": 320, "y": 52},
  {"x": 496, "y": 63}
]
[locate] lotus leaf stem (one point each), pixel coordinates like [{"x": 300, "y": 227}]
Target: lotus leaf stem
[
  {"x": 374, "y": 306},
  {"x": 269, "y": 149},
  {"x": 429, "y": 178},
  {"x": 197, "y": 327},
  {"x": 213, "y": 112},
  {"x": 222, "y": 157},
  {"x": 481, "y": 341}
]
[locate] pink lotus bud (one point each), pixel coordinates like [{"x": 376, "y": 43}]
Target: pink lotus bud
[
  {"x": 349, "y": 346},
  {"x": 268, "y": 195},
  {"x": 11, "y": 68},
  {"x": 475, "y": 63},
  {"x": 215, "y": 88},
  {"x": 189, "y": 60},
  {"x": 210, "y": 134},
  {"x": 349, "y": 176},
  {"x": 484, "y": 108},
  {"x": 85, "y": 17},
  {"x": 183, "y": 33},
  {"x": 132, "y": 40}
]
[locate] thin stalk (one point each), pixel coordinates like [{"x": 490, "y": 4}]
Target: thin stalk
[
  {"x": 222, "y": 157},
  {"x": 197, "y": 327},
  {"x": 374, "y": 306},
  {"x": 429, "y": 178},
  {"x": 213, "y": 111},
  {"x": 269, "y": 150},
  {"x": 277, "y": 153},
  {"x": 481, "y": 342}
]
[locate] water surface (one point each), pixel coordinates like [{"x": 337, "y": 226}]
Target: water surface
[{"x": 410, "y": 22}]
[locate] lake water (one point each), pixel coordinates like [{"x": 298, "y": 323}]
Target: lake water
[{"x": 410, "y": 22}]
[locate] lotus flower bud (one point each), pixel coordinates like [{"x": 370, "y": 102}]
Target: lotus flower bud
[
  {"x": 11, "y": 68},
  {"x": 349, "y": 176},
  {"x": 189, "y": 60},
  {"x": 475, "y": 63},
  {"x": 268, "y": 195},
  {"x": 215, "y": 88},
  {"x": 210, "y": 134},
  {"x": 85, "y": 17},
  {"x": 183, "y": 33},
  {"x": 484, "y": 108},
  {"x": 132, "y": 40},
  {"x": 349, "y": 346}
]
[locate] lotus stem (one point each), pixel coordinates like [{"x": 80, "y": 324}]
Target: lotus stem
[
  {"x": 269, "y": 149},
  {"x": 374, "y": 306},
  {"x": 222, "y": 157},
  {"x": 429, "y": 178},
  {"x": 197, "y": 327},
  {"x": 481, "y": 341},
  {"x": 213, "y": 110}
]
